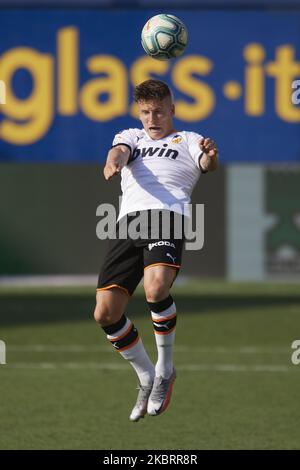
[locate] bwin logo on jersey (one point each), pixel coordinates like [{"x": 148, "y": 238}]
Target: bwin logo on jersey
[
  {"x": 157, "y": 151},
  {"x": 160, "y": 243}
]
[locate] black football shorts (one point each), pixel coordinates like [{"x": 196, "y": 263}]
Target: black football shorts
[{"x": 127, "y": 257}]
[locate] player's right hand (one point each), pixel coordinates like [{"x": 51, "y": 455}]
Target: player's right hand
[{"x": 111, "y": 170}]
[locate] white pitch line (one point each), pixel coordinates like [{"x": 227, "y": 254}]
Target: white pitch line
[
  {"x": 80, "y": 348},
  {"x": 182, "y": 367}
]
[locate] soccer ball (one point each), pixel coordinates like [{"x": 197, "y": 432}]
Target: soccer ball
[{"x": 164, "y": 37}]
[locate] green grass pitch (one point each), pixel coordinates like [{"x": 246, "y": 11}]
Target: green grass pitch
[{"x": 64, "y": 388}]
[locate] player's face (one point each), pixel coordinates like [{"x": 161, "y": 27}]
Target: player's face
[{"x": 157, "y": 117}]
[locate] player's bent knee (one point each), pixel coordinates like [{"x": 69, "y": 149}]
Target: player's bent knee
[
  {"x": 99, "y": 314},
  {"x": 103, "y": 314},
  {"x": 156, "y": 291},
  {"x": 110, "y": 306}
]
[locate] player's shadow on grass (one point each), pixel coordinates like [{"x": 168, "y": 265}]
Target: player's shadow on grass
[{"x": 26, "y": 309}]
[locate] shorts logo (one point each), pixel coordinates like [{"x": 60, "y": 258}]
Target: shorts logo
[
  {"x": 160, "y": 243},
  {"x": 173, "y": 258}
]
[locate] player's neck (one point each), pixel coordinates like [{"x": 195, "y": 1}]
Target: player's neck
[{"x": 172, "y": 131}]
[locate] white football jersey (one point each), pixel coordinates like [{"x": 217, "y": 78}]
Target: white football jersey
[{"x": 160, "y": 174}]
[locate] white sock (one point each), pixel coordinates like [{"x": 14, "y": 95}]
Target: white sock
[
  {"x": 164, "y": 324},
  {"x": 124, "y": 337}
]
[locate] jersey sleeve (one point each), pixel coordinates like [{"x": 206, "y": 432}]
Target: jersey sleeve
[
  {"x": 127, "y": 138},
  {"x": 194, "y": 149}
]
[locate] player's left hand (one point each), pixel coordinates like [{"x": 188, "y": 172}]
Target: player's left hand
[
  {"x": 209, "y": 147},
  {"x": 209, "y": 157}
]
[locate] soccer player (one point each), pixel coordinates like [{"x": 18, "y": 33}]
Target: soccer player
[{"x": 159, "y": 167}]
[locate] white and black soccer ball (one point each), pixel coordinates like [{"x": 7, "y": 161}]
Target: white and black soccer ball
[{"x": 164, "y": 37}]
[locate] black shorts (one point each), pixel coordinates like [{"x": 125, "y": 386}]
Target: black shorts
[{"x": 127, "y": 258}]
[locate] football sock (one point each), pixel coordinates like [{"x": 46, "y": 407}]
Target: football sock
[
  {"x": 164, "y": 322},
  {"x": 125, "y": 339}
]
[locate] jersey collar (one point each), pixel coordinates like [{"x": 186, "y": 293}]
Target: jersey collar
[{"x": 147, "y": 137}]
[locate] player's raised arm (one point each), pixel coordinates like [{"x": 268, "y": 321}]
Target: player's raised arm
[
  {"x": 117, "y": 158},
  {"x": 210, "y": 156}
]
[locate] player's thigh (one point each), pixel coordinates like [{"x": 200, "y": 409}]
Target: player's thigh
[
  {"x": 110, "y": 305},
  {"x": 158, "y": 281},
  {"x": 123, "y": 266}
]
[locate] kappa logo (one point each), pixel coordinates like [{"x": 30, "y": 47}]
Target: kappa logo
[{"x": 160, "y": 243}]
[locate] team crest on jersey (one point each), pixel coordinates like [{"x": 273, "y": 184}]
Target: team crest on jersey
[{"x": 176, "y": 139}]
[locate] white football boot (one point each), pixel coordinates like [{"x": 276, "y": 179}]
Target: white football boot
[
  {"x": 161, "y": 394},
  {"x": 140, "y": 408}
]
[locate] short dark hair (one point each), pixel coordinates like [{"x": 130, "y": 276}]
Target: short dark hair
[{"x": 151, "y": 90}]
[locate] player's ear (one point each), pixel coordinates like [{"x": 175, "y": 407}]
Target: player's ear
[{"x": 173, "y": 109}]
